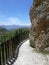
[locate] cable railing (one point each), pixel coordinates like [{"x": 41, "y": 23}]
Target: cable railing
[{"x": 8, "y": 48}]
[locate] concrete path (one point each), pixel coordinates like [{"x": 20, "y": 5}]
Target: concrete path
[{"x": 29, "y": 56}]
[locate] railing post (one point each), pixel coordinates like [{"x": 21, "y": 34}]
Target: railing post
[
  {"x": 4, "y": 53},
  {"x": 1, "y": 57},
  {"x": 10, "y": 48}
]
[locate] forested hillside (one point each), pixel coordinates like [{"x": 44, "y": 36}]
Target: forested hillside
[{"x": 6, "y": 35}]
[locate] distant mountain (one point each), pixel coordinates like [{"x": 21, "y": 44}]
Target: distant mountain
[{"x": 10, "y": 27}]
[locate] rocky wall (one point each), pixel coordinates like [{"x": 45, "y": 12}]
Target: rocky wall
[{"x": 39, "y": 31}]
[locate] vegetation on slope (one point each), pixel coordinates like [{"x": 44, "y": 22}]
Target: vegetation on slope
[{"x": 9, "y": 34}]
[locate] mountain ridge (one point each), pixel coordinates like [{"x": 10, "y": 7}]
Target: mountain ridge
[{"x": 9, "y": 27}]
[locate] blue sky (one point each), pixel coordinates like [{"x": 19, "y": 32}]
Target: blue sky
[{"x": 15, "y": 12}]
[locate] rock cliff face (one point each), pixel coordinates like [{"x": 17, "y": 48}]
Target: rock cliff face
[{"x": 39, "y": 32}]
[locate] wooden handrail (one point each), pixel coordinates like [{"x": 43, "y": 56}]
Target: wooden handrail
[{"x": 8, "y": 48}]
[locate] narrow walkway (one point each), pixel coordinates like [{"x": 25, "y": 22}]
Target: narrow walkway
[{"x": 28, "y": 56}]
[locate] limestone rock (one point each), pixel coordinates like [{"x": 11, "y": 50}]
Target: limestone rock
[{"x": 39, "y": 32}]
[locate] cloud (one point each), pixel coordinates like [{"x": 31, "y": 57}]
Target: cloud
[{"x": 13, "y": 21}]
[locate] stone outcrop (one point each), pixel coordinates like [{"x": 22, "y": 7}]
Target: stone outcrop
[{"x": 39, "y": 31}]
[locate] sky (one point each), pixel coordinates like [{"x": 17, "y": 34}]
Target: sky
[{"x": 15, "y": 12}]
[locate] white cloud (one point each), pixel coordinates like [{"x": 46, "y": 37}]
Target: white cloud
[{"x": 13, "y": 21}]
